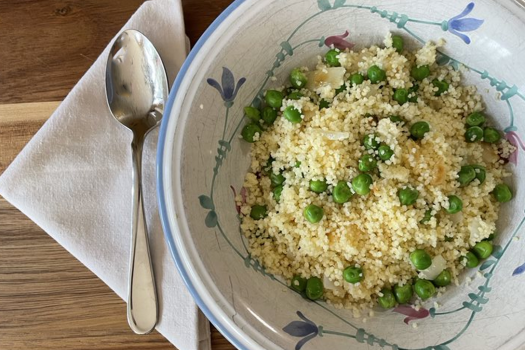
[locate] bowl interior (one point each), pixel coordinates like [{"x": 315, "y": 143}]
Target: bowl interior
[{"x": 251, "y": 48}]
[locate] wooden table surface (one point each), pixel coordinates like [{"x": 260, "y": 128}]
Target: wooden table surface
[{"x": 49, "y": 300}]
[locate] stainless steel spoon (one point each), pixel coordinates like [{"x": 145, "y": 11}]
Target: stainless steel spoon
[{"x": 136, "y": 91}]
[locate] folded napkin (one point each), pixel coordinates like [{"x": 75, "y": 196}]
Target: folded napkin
[{"x": 74, "y": 180}]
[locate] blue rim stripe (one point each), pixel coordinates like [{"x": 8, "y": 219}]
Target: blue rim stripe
[{"x": 160, "y": 186}]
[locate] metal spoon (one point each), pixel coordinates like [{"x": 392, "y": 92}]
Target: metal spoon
[{"x": 136, "y": 91}]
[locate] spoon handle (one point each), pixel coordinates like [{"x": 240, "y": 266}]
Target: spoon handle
[{"x": 142, "y": 294}]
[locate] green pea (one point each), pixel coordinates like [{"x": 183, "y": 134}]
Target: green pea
[
  {"x": 269, "y": 115},
  {"x": 357, "y": 79},
  {"x": 483, "y": 249},
  {"x": 298, "y": 283},
  {"x": 455, "y": 204},
  {"x": 318, "y": 186},
  {"x": 481, "y": 173},
  {"x": 426, "y": 217},
  {"x": 297, "y": 78},
  {"x": 401, "y": 96},
  {"x": 297, "y": 164},
  {"x": 353, "y": 274},
  {"x": 314, "y": 288},
  {"x": 370, "y": 141},
  {"x": 292, "y": 115},
  {"x": 323, "y": 104},
  {"x": 294, "y": 95},
  {"x": 258, "y": 212},
  {"x": 420, "y": 73},
  {"x": 424, "y": 289},
  {"x": 441, "y": 85},
  {"x": 367, "y": 162},
  {"x": 443, "y": 279},
  {"x": 502, "y": 193},
  {"x": 361, "y": 184},
  {"x": 252, "y": 113},
  {"x": 388, "y": 300},
  {"x": 491, "y": 135},
  {"x": 420, "y": 259},
  {"x": 331, "y": 58},
  {"x": 403, "y": 293},
  {"x": 397, "y": 43},
  {"x": 412, "y": 93},
  {"x": 466, "y": 175},
  {"x": 277, "y": 190},
  {"x": 396, "y": 119},
  {"x": 249, "y": 131},
  {"x": 376, "y": 74},
  {"x": 385, "y": 152},
  {"x": 473, "y": 134},
  {"x": 419, "y": 129},
  {"x": 342, "y": 192},
  {"x": 276, "y": 179},
  {"x": 475, "y": 119},
  {"x": 407, "y": 196},
  {"x": 274, "y": 98},
  {"x": 471, "y": 260},
  {"x": 313, "y": 213}
]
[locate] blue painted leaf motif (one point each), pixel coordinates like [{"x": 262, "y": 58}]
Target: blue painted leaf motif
[
  {"x": 458, "y": 24},
  {"x": 216, "y": 85},
  {"x": 339, "y": 3},
  {"x": 211, "y": 219},
  {"x": 321, "y": 41},
  {"x": 519, "y": 270},
  {"x": 227, "y": 87},
  {"x": 486, "y": 264},
  {"x": 467, "y": 24},
  {"x": 205, "y": 202},
  {"x": 228, "y": 83},
  {"x": 303, "y": 341},
  {"x": 441, "y": 347},
  {"x": 238, "y": 86},
  {"x": 323, "y": 5},
  {"x": 287, "y": 47},
  {"x": 300, "y": 329}
]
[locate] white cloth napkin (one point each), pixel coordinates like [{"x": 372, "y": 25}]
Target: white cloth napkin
[{"x": 74, "y": 180}]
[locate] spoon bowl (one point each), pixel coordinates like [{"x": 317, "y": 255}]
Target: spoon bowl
[{"x": 136, "y": 91}]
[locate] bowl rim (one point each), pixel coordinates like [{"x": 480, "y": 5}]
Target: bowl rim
[{"x": 229, "y": 328}]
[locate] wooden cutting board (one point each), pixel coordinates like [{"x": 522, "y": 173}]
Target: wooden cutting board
[{"x": 49, "y": 300}]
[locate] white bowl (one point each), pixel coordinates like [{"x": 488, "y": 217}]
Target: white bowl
[{"x": 201, "y": 162}]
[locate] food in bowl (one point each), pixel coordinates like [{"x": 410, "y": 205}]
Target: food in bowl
[{"x": 374, "y": 177}]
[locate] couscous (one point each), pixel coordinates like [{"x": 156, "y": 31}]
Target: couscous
[{"x": 375, "y": 178}]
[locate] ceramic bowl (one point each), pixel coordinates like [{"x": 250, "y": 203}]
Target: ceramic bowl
[{"x": 251, "y": 47}]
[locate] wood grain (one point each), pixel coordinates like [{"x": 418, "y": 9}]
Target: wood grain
[{"x": 48, "y": 300}]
